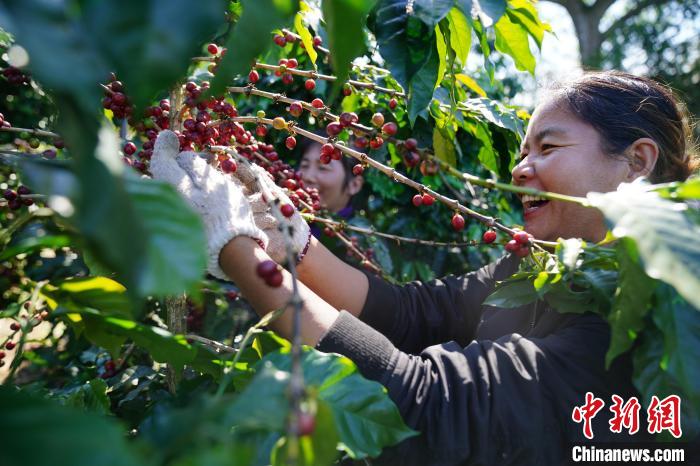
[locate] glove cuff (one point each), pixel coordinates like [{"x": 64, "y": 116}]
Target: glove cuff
[{"x": 220, "y": 234}]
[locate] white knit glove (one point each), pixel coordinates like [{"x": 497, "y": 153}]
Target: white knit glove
[
  {"x": 218, "y": 198},
  {"x": 260, "y": 187}
]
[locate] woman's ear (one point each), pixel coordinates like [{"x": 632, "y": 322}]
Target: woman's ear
[
  {"x": 355, "y": 185},
  {"x": 643, "y": 154}
]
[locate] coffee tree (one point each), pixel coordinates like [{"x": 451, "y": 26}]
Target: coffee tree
[{"x": 111, "y": 327}]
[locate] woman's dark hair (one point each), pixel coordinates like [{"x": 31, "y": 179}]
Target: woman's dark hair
[{"x": 623, "y": 108}]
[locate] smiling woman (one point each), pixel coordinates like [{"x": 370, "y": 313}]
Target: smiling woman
[
  {"x": 591, "y": 135},
  {"x": 483, "y": 384}
]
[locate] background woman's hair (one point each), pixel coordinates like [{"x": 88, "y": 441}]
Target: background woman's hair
[{"x": 623, "y": 108}]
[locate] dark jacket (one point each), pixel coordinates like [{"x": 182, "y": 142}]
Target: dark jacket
[{"x": 483, "y": 385}]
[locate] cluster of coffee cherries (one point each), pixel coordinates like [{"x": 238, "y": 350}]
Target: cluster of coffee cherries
[
  {"x": 17, "y": 199},
  {"x": 116, "y": 100},
  {"x": 16, "y": 327},
  {"x": 520, "y": 243},
  {"x": 289, "y": 38},
  {"x": 271, "y": 272},
  {"x": 218, "y": 53},
  {"x": 15, "y": 76}
]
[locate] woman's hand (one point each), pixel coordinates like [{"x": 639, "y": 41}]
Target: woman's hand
[
  {"x": 260, "y": 189},
  {"x": 218, "y": 198}
]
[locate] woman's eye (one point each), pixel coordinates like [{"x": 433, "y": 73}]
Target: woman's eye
[{"x": 547, "y": 148}]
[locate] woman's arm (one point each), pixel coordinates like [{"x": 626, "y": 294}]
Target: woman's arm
[
  {"x": 239, "y": 260},
  {"x": 340, "y": 284}
]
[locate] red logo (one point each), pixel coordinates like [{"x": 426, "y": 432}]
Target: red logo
[
  {"x": 587, "y": 412},
  {"x": 626, "y": 415},
  {"x": 665, "y": 415}
]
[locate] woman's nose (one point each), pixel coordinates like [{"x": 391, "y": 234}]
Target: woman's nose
[{"x": 523, "y": 171}]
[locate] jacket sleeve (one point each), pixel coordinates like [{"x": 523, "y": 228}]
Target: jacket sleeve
[
  {"x": 491, "y": 402},
  {"x": 418, "y": 315}
]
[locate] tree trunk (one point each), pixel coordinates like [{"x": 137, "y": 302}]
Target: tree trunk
[{"x": 586, "y": 20}]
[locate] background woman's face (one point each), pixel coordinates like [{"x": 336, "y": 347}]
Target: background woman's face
[
  {"x": 562, "y": 154},
  {"x": 327, "y": 178}
]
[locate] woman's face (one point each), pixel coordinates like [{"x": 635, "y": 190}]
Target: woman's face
[
  {"x": 327, "y": 178},
  {"x": 562, "y": 154}
]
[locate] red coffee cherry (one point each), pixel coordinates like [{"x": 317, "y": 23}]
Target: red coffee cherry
[
  {"x": 129, "y": 148},
  {"x": 393, "y": 103},
  {"x": 310, "y": 84},
  {"x": 306, "y": 424},
  {"x": 358, "y": 169},
  {"x": 428, "y": 199},
  {"x": 275, "y": 279},
  {"x": 290, "y": 142},
  {"x": 296, "y": 109},
  {"x": 213, "y": 49},
  {"x": 512, "y": 246},
  {"x": 458, "y": 222},
  {"x": 417, "y": 200},
  {"x": 253, "y": 76},
  {"x": 317, "y": 103},
  {"x": 287, "y": 210},
  {"x": 266, "y": 268},
  {"x": 489, "y": 236},
  {"x": 280, "y": 40},
  {"x": 390, "y": 129},
  {"x": 521, "y": 237}
]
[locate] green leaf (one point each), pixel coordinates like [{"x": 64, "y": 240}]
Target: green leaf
[
  {"x": 496, "y": 113},
  {"x": 485, "y": 48},
  {"x": 524, "y": 13},
  {"x": 131, "y": 225},
  {"x": 162, "y": 345},
  {"x": 689, "y": 189},
  {"x": 470, "y": 83},
  {"x": 666, "y": 361},
  {"x": 444, "y": 147},
  {"x": 91, "y": 396},
  {"x": 99, "y": 293},
  {"x": 404, "y": 41},
  {"x": 631, "y": 303},
  {"x": 365, "y": 418},
  {"x": 170, "y": 225},
  {"x": 251, "y": 37},
  {"x": 512, "y": 39},
  {"x": 60, "y": 436},
  {"x": 35, "y": 243},
  {"x": 157, "y": 39},
  {"x": 663, "y": 231},
  {"x": 512, "y": 293},
  {"x": 441, "y": 54},
  {"x": 422, "y": 87},
  {"x": 487, "y": 155},
  {"x": 306, "y": 37},
  {"x": 317, "y": 449},
  {"x": 460, "y": 34},
  {"x": 345, "y": 20},
  {"x": 490, "y": 11},
  {"x": 45, "y": 31},
  {"x": 432, "y": 11}
]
